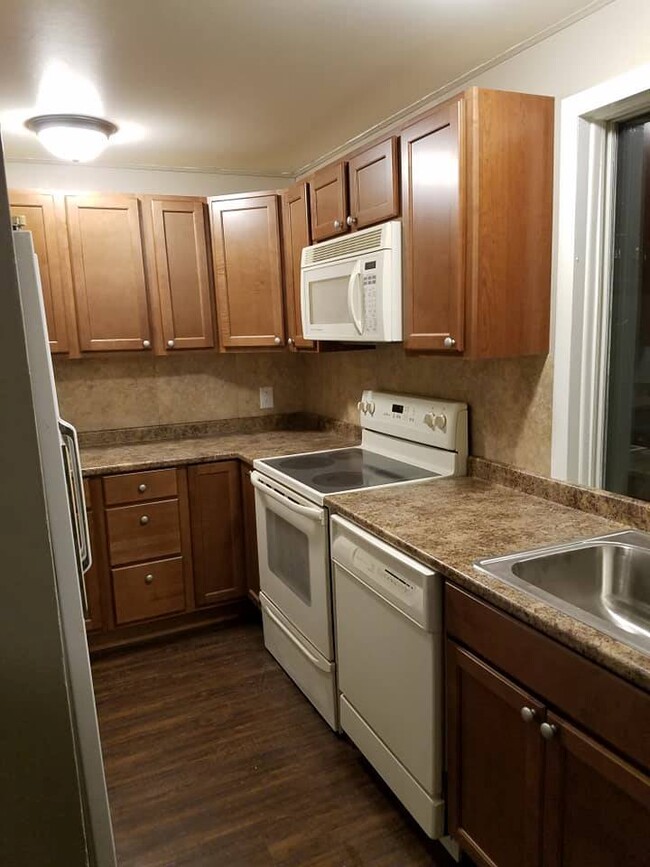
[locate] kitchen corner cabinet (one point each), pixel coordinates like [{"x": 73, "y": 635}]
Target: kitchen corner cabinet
[
  {"x": 217, "y": 532},
  {"x": 248, "y": 270},
  {"x": 250, "y": 536},
  {"x": 355, "y": 194},
  {"x": 105, "y": 242},
  {"x": 179, "y": 272},
  {"x": 526, "y": 786},
  {"x": 39, "y": 211},
  {"x": 296, "y": 235},
  {"x": 477, "y": 176}
]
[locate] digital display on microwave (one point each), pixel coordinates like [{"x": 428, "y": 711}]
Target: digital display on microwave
[
  {"x": 369, "y": 266},
  {"x": 398, "y": 408}
]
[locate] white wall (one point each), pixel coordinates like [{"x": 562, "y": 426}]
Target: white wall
[{"x": 105, "y": 179}]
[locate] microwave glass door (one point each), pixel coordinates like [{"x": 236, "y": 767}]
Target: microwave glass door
[
  {"x": 333, "y": 301},
  {"x": 293, "y": 560}
]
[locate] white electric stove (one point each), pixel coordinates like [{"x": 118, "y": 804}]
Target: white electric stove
[{"x": 405, "y": 440}]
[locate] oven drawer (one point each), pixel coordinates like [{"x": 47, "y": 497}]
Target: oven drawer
[
  {"x": 148, "y": 590},
  {"x": 146, "y": 531},
  {"x": 140, "y": 487}
]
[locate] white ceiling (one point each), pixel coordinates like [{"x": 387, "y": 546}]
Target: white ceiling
[{"x": 249, "y": 85}]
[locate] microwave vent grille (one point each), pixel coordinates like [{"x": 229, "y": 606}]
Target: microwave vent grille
[{"x": 366, "y": 242}]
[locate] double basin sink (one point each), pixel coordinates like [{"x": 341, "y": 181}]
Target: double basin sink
[{"x": 604, "y": 582}]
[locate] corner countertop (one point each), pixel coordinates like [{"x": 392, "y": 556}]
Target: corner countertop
[
  {"x": 103, "y": 460},
  {"x": 450, "y": 523}
]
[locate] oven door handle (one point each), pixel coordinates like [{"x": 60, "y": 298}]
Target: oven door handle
[
  {"x": 323, "y": 666},
  {"x": 312, "y": 512}
]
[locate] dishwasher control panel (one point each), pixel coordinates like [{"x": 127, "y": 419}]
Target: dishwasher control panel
[{"x": 400, "y": 581}]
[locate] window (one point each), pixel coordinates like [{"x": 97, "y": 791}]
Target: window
[{"x": 626, "y": 467}]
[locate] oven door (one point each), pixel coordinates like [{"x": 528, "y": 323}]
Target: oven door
[{"x": 292, "y": 542}]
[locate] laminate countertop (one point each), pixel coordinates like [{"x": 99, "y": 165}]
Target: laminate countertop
[
  {"x": 450, "y": 523},
  {"x": 121, "y": 458}
]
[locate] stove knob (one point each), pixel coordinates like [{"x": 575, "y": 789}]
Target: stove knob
[
  {"x": 440, "y": 421},
  {"x": 362, "y": 406},
  {"x": 429, "y": 420},
  {"x": 371, "y": 407}
]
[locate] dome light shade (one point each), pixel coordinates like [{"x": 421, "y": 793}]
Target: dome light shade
[{"x": 77, "y": 138}]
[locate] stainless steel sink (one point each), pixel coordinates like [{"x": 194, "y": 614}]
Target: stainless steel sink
[{"x": 604, "y": 582}]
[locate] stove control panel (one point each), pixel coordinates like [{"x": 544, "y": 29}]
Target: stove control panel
[{"x": 430, "y": 421}]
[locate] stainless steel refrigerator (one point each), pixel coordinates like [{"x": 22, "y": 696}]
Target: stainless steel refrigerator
[{"x": 54, "y": 807}]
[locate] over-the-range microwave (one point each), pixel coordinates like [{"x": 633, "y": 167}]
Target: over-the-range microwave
[{"x": 351, "y": 287}]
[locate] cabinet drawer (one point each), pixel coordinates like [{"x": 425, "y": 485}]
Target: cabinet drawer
[
  {"x": 148, "y": 590},
  {"x": 143, "y": 532},
  {"x": 140, "y": 487}
]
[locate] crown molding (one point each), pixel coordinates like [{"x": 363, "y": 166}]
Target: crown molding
[
  {"x": 447, "y": 90},
  {"x": 135, "y": 167}
]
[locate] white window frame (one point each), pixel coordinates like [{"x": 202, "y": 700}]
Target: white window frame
[{"x": 585, "y": 219}]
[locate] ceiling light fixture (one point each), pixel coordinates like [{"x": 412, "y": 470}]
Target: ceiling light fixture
[{"x": 74, "y": 137}]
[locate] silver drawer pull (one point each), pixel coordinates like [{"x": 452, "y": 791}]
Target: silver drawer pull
[
  {"x": 528, "y": 714},
  {"x": 148, "y": 578},
  {"x": 142, "y": 488},
  {"x": 144, "y": 520},
  {"x": 548, "y": 731}
]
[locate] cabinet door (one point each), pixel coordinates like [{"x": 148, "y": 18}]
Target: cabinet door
[
  {"x": 328, "y": 201},
  {"x": 295, "y": 231},
  {"x": 374, "y": 185},
  {"x": 108, "y": 272},
  {"x": 38, "y": 210},
  {"x": 248, "y": 271},
  {"x": 495, "y": 762},
  {"x": 432, "y": 213},
  {"x": 250, "y": 535},
  {"x": 217, "y": 532},
  {"x": 597, "y": 807},
  {"x": 182, "y": 274},
  {"x": 94, "y": 618}
]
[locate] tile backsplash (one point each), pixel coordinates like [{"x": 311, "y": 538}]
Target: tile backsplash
[
  {"x": 125, "y": 391},
  {"x": 509, "y": 399}
]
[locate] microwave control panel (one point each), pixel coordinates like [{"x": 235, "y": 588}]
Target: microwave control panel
[{"x": 370, "y": 295}]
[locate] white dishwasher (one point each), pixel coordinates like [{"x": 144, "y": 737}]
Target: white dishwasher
[{"x": 388, "y": 612}]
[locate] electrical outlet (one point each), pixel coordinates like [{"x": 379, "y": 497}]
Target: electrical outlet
[{"x": 266, "y": 397}]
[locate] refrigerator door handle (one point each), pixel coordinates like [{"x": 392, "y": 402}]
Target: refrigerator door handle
[{"x": 74, "y": 481}]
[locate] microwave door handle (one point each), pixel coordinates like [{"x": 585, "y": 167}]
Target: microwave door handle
[{"x": 355, "y": 280}]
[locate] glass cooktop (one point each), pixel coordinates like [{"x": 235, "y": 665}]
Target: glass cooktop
[{"x": 346, "y": 469}]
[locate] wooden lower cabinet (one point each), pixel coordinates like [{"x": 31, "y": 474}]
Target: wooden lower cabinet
[
  {"x": 250, "y": 536},
  {"x": 495, "y": 764},
  {"x": 94, "y": 619},
  {"x": 526, "y": 786},
  {"x": 217, "y": 532}
]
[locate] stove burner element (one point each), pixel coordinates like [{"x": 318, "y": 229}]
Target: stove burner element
[
  {"x": 347, "y": 479},
  {"x": 307, "y": 462}
]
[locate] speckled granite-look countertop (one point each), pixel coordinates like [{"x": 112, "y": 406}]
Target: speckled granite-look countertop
[
  {"x": 121, "y": 458},
  {"x": 450, "y": 523}
]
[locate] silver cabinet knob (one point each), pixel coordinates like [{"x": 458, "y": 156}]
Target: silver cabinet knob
[
  {"x": 528, "y": 714},
  {"x": 449, "y": 342},
  {"x": 277, "y": 341},
  {"x": 148, "y": 578},
  {"x": 351, "y": 221},
  {"x": 146, "y": 344},
  {"x": 290, "y": 341},
  {"x": 142, "y": 488},
  {"x": 144, "y": 520},
  {"x": 170, "y": 344},
  {"x": 548, "y": 731},
  {"x": 338, "y": 224}
]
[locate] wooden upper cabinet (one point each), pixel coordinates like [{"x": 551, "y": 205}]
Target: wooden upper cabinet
[
  {"x": 217, "y": 532},
  {"x": 328, "y": 198},
  {"x": 373, "y": 178},
  {"x": 296, "y": 235},
  {"x": 495, "y": 762},
  {"x": 477, "y": 178},
  {"x": 596, "y": 806},
  {"x": 432, "y": 211},
  {"x": 180, "y": 272},
  {"x": 248, "y": 270},
  {"x": 108, "y": 272},
  {"x": 39, "y": 212}
]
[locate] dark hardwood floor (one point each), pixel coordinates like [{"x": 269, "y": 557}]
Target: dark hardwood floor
[{"x": 214, "y": 757}]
